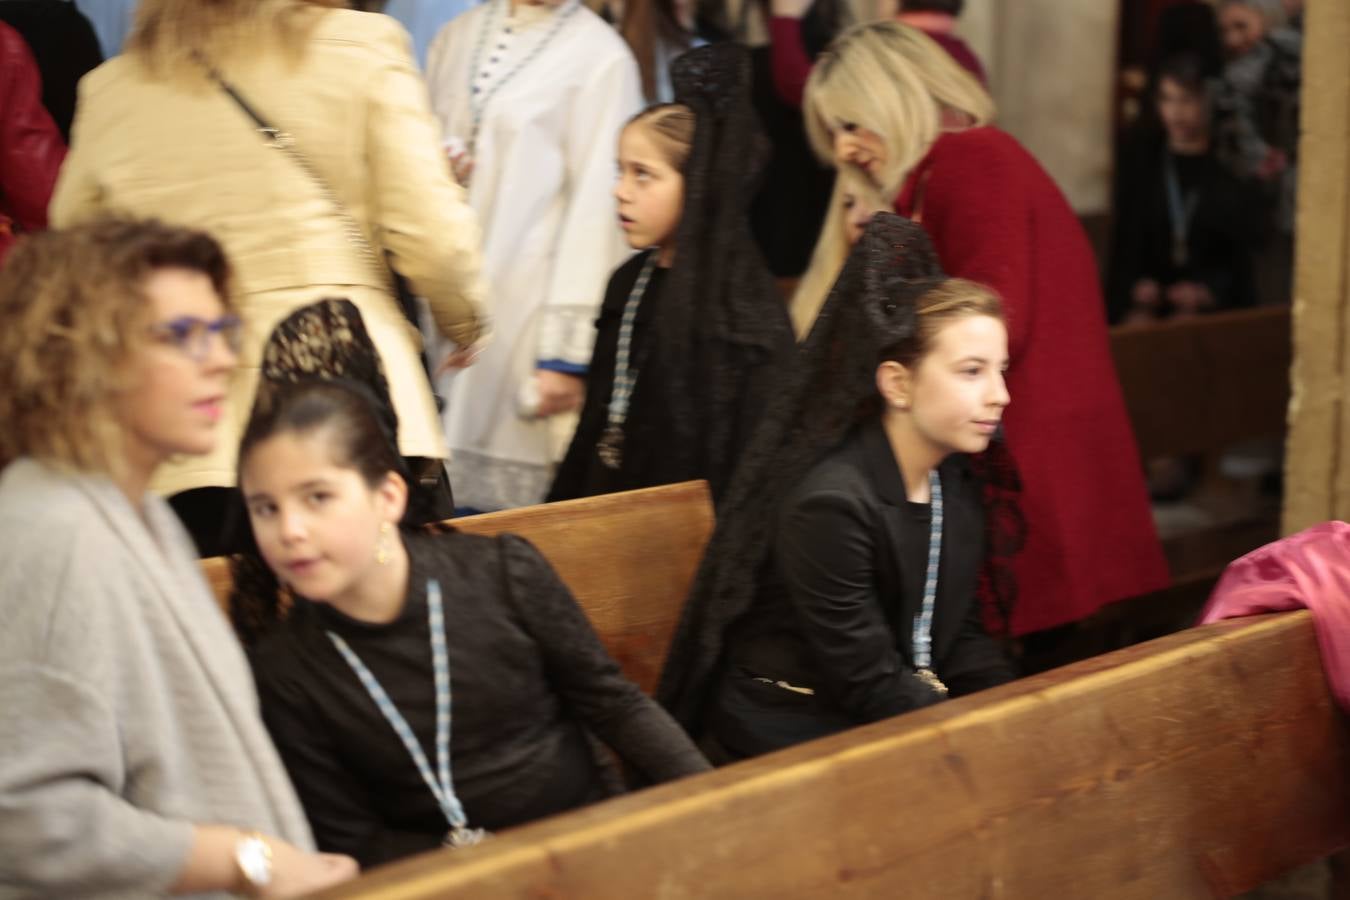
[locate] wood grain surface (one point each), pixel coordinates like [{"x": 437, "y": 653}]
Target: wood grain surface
[{"x": 1197, "y": 765}]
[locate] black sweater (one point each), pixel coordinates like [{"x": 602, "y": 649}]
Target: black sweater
[{"x": 527, "y": 675}]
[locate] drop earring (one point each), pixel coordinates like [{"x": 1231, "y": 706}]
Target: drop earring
[{"x": 382, "y": 551}]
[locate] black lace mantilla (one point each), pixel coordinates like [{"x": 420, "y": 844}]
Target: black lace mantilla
[
  {"x": 869, "y": 310},
  {"x": 326, "y": 341},
  {"x": 722, "y": 327}
]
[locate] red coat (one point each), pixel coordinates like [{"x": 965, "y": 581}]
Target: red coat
[
  {"x": 31, "y": 149},
  {"x": 996, "y": 217}
]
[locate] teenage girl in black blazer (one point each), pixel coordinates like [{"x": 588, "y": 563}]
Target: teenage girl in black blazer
[{"x": 865, "y": 605}]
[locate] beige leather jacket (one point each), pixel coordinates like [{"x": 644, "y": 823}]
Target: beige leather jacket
[{"x": 180, "y": 150}]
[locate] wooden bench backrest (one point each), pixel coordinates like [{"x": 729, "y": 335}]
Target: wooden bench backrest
[
  {"x": 628, "y": 558},
  {"x": 1201, "y": 384},
  {"x": 1198, "y": 765}
]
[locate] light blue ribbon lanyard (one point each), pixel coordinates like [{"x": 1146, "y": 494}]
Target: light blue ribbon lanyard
[
  {"x": 441, "y": 785},
  {"x": 923, "y": 622}
]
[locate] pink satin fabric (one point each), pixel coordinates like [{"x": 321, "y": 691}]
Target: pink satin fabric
[{"x": 1310, "y": 570}]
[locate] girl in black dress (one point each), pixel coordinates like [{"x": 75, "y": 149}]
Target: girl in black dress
[
  {"x": 692, "y": 329},
  {"x": 388, "y": 622}
]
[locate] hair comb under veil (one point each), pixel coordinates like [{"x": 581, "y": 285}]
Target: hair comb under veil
[
  {"x": 721, "y": 319},
  {"x": 324, "y": 341},
  {"x": 870, "y": 309}
]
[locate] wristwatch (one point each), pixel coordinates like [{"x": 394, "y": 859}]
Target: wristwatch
[{"x": 253, "y": 856}]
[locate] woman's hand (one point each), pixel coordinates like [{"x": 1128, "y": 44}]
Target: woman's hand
[
  {"x": 558, "y": 393},
  {"x": 213, "y": 865},
  {"x": 1145, "y": 294},
  {"x": 295, "y": 872},
  {"x": 1189, "y": 298},
  {"x": 460, "y": 358},
  {"x": 461, "y": 166}
]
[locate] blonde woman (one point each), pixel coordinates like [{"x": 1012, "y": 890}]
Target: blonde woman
[
  {"x": 854, "y": 201},
  {"x": 888, "y": 101},
  {"x": 157, "y": 136},
  {"x": 135, "y": 761}
]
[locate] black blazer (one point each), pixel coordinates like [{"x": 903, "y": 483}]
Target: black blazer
[{"x": 835, "y": 612}]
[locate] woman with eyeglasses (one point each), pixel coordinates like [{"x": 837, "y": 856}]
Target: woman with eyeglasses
[
  {"x": 135, "y": 761},
  {"x": 356, "y": 184}
]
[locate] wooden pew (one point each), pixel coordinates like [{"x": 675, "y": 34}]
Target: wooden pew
[
  {"x": 628, "y": 558},
  {"x": 1201, "y": 384},
  {"x": 1198, "y": 765},
  {"x": 1196, "y": 387}
]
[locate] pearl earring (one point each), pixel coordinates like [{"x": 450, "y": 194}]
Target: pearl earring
[{"x": 382, "y": 551}]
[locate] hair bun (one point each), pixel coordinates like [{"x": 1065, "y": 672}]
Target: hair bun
[{"x": 891, "y": 267}]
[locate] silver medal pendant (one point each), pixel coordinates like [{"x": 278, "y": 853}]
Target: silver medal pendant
[
  {"x": 610, "y": 448},
  {"x": 929, "y": 677},
  {"x": 461, "y": 836}
]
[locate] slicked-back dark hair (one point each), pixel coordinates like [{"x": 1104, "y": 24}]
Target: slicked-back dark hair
[{"x": 344, "y": 411}]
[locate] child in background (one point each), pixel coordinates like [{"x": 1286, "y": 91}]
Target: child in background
[
  {"x": 1186, "y": 227},
  {"x": 691, "y": 330}
]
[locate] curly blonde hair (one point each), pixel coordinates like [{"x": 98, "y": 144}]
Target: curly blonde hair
[
  {"x": 170, "y": 35},
  {"x": 74, "y": 308},
  {"x": 894, "y": 80}
]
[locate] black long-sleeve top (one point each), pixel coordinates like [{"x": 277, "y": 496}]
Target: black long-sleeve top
[
  {"x": 835, "y": 612},
  {"x": 528, "y": 678}
]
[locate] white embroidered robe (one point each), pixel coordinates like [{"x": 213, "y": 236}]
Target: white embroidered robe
[{"x": 544, "y": 162}]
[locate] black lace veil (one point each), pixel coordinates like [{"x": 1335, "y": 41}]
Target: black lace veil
[
  {"x": 870, "y": 310},
  {"x": 327, "y": 341},
  {"x": 721, "y": 318}
]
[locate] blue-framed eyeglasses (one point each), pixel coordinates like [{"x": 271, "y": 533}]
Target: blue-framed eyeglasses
[{"x": 193, "y": 335}]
